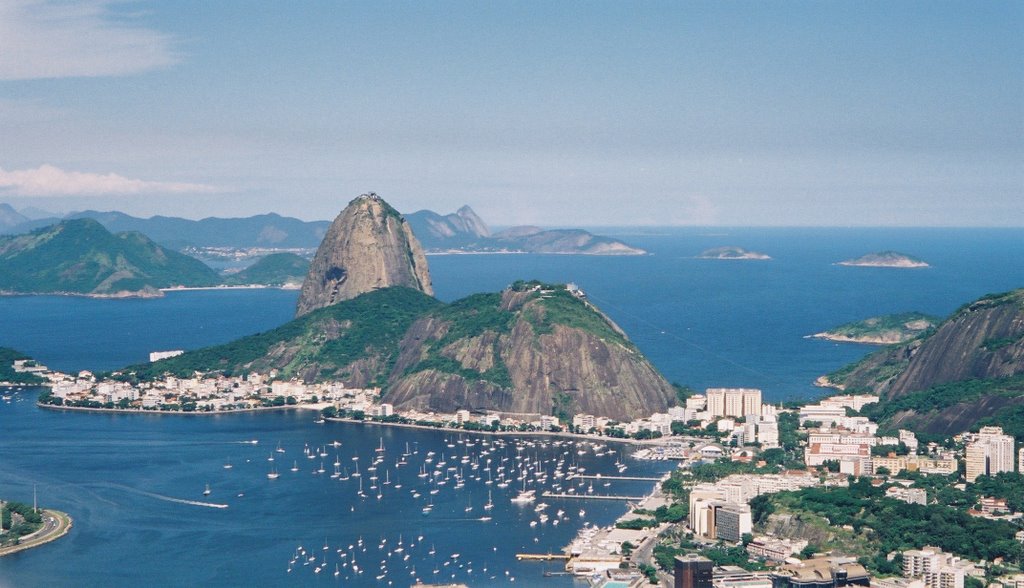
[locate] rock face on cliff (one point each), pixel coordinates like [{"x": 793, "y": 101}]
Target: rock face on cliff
[
  {"x": 368, "y": 247},
  {"x": 540, "y": 349},
  {"x": 969, "y": 368},
  {"x": 531, "y": 349}
]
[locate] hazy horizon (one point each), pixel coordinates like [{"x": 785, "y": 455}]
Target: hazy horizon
[{"x": 788, "y": 114}]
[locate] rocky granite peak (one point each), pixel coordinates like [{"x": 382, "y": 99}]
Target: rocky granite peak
[
  {"x": 471, "y": 222},
  {"x": 369, "y": 246}
]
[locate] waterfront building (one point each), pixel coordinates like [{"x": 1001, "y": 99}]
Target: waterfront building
[
  {"x": 692, "y": 571},
  {"x": 990, "y": 453}
]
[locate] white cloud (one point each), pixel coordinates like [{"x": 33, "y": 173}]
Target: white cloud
[
  {"x": 47, "y": 180},
  {"x": 83, "y": 38}
]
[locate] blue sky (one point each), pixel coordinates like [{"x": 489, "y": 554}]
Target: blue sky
[{"x": 589, "y": 113}]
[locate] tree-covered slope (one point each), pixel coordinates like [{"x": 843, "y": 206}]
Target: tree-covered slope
[
  {"x": 354, "y": 342},
  {"x": 965, "y": 371},
  {"x": 7, "y": 373},
  {"x": 275, "y": 269},
  {"x": 533, "y": 348},
  {"x": 81, "y": 257}
]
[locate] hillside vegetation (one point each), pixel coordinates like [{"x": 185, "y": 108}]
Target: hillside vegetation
[
  {"x": 82, "y": 257},
  {"x": 966, "y": 371},
  {"x": 534, "y": 348},
  {"x": 7, "y": 373},
  {"x": 276, "y": 269}
]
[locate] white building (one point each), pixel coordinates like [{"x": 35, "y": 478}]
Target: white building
[
  {"x": 768, "y": 433},
  {"x": 158, "y": 355},
  {"x": 989, "y": 454},
  {"x": 733, "y": 402},
  {"x": 908, "y": 495}
]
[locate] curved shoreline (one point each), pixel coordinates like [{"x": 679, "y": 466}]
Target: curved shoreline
[
  {"x": 172, "y": 412},
  {"x": 562, "y": 434},
  {"x": 64, "y": 524},
  {"x": 859, "y": 340}
]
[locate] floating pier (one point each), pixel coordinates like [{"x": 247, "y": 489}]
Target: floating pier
[
  {"x": 591, "y": 496},
  {"x": 541, "y": 556},
  {"x": 600, "y": 477}
]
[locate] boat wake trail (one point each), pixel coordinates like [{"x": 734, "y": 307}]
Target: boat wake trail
[{"x": 168, "y": 498}]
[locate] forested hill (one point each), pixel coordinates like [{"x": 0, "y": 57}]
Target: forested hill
[
  {"x": 534, "y": 348},
  {"x": 966, "y": 372},
  {"x": 82, "y": 257}
]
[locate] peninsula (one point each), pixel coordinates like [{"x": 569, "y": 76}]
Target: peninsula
[
  {"x": 732, "y": 253},
  {"x": 885, "y": 259},
  {"x": 881, "y": 330},
  {"x": 25, "y": 526}
]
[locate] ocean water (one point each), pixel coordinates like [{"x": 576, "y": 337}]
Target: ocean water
[{"x": 701, "y": 322}]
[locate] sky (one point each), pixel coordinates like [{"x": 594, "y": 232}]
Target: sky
[{"x": 767, "y": 113}]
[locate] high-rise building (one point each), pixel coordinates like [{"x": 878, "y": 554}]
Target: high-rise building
[
  {"x": 732, "y": 521},
  {"x": 733, "y": 402},
  {"x": 1020, "y": 460},
  {"x": 716, "y": 401},
  {"x": 693, "y": 571},
  {"x": 989, "y": 454}
]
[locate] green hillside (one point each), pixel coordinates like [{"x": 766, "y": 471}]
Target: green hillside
[
  {"x": 7, "y": 373},
  {"x": 275, "y": 269},
  {"x": 321, "y": 345},
  {"x": 81, "y": 257}
]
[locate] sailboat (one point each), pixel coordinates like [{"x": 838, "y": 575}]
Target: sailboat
[
  {"x": 272, "y": 474},
  {"x": 490, "y": 503},
  {"x": 279, "y": 448},
  {"x": 295, "y": 466},
  {"x": 207, "y": 491}
]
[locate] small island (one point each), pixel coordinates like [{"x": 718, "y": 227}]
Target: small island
[
  {"x": 885, "y": 259},
  {"x": 881, "y": 330},
  {"x": 732, "y": 253}
]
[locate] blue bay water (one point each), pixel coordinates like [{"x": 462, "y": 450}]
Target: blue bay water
[{"x": 701, "y": 322}]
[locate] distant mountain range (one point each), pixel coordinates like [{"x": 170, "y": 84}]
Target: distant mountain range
[
  {"x": 460, "y": 232},
  {"x": 264, "y": 230},
  {"x": 465, "y": 232}
]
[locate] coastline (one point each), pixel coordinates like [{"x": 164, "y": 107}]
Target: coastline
[
  {"x": 173, "y": 412},
  {"x": 561, "y": 434},
  {"x": 318, "y": 407},
  {"x": 63, "y": 521},
  {"x": 859, "y": 340},
  {"x": 609, "y": 254},
  {"x": 899, "y": 265}
]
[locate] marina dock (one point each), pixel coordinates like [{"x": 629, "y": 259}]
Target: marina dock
[
  {"x": 592, "y": 496},
  {"x": 600, "y": 477},
  {"x": 541, "y": 556}
]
